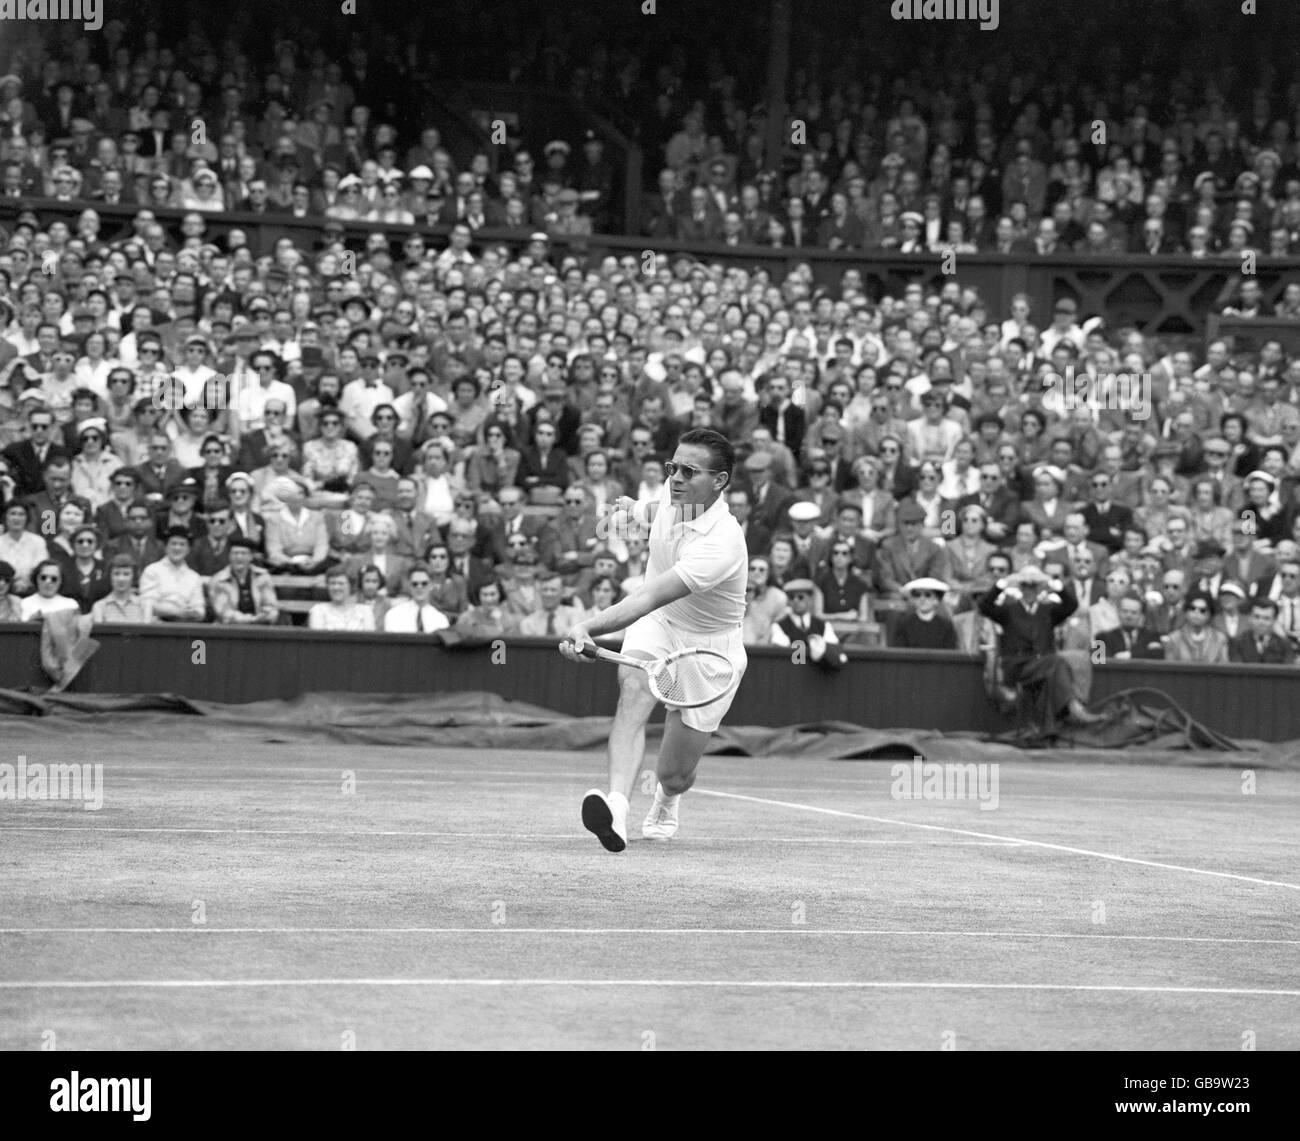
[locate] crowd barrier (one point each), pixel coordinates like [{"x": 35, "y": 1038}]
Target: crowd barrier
[
  {"x": 1174, "y": 296},
  {"x": 916, "y": 689}
]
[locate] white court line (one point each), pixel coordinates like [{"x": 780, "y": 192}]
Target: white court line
[
  {"x": 502, "y": 835},
  {"x": 993, "y": 836},
  {"x": 665, "y": 984},
  {"x": 605, "y": 931}
]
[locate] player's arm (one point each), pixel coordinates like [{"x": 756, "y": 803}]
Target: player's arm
[{"x": 654, "y": 593}]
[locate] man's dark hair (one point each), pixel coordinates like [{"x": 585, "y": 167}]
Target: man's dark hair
[
  {"x": 1264, "y": 603},
  {"x": 721, "y": 454}
]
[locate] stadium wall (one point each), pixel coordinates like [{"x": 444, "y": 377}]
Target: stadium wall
[{"x": 916, "y": 689}]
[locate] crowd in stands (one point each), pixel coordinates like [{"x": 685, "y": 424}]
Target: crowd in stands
[
  {"x": 973, "y": 156},
  {"x": 191, "y": 427}
]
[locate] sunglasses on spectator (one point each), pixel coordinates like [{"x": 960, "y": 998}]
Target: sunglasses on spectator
[
  {"x": 1198, "y": 607},
  {"x": 420, "y": 583}
]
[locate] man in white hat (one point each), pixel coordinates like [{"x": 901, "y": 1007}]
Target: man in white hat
[
  {"x": 1029, "y": 607},
  {"x": 803, "y": 520},
  {"x": 925, "y": 628}
]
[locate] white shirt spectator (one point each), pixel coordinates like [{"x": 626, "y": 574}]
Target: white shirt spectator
[
  {"x": 406, "y": 618},
  {"x": 355, "y": 617},
  {"x": 34, "y": 604},
  {"x": 251, "y": 404},
  {"x": 358, "y": 403}
]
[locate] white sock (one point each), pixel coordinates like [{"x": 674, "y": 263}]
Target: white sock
[
  {"x": 617, "y": 803},
  {"x": 664, "y": 799}
]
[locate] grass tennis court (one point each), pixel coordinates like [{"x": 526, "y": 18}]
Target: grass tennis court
[{"x": 454, "y": 900}]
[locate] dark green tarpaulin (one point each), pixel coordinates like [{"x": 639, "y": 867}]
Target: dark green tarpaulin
[{"x": 1142, "y": 726}]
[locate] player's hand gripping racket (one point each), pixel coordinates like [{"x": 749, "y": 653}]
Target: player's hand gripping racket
[{"x": 685, "y": 679}]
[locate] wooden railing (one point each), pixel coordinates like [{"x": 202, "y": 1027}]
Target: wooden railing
[{"x": 916, "y": 689}]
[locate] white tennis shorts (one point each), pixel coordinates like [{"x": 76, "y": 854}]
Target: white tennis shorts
[{"x": 652, "y": 637}]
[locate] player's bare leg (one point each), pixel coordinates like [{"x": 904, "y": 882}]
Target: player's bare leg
[
  {"x": 679, "y": 757},
  {"x": 606, "y": 815}
]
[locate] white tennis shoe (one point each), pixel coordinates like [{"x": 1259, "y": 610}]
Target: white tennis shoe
[
  {"x": 661, "y": 821},
  {"x": 607, "y": 818}
]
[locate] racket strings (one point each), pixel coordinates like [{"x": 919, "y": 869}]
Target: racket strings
[{"x": 695, "y": 679}]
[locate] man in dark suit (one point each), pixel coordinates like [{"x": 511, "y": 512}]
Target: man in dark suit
[
  {"x": 1132, "y": 640},
  {"x": 662, "y": 208},
  {"x": 1001, "y": 504},
  {"x": 1106, "y": 519},
  {"x": 1244, "y": 563},
  {"x": 44, "y": 506},
  {"x": 514, "y": 525},
  {"x": 110, "y": 517},
  {"x": 160, "y": 472},
  {"x": 1029, "y": 618},
  {"x": 757, "y": 536},
  {"x": 782, "y": 417},
  {"x": 1261, "y": 644},
  {"x": 27, "y": 458},
  {"x": 771, "y": 503},
  {"x": 700, "y": 221},
  {"x": 139, "y": 542}
]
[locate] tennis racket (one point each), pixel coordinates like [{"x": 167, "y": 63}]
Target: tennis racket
[{"x": 685, "y": 679}]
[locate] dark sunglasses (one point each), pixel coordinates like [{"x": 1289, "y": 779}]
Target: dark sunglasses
[{"x": 688, "y": 471}]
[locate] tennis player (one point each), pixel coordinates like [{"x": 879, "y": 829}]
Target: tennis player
[{"x": 693, "y": 596}]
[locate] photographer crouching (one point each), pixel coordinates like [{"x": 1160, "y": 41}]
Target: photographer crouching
[{"x": 1029, "y": 607}]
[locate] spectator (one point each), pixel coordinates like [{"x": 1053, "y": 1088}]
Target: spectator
[
  {"x": 924, "y": 627},
  {"x": 85, "y": 575},
  {"x": 297, "y": 539},
  {"x": 416, "y": 614},
  {"x": 1029, "y": 607},
  {"x": 48, "y": 599},
  {"x": 342, "y": 611},
  {"x": 10, "y": 605},
  {"x": 1261, "y": 643},
  {"x": 1131, "y": 639},
  {"x": 20, "y": 548},
  {"x": 552, "y": 618},
  {"x": 815, "y": 636},
  {"x": 243, "y": 593},
  {"x": 170, "y": 585},
  {"x": 1196, "y": 640}
]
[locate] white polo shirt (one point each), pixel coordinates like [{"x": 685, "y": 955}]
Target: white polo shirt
[{"x": 709, "y": 554}]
